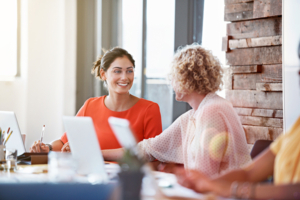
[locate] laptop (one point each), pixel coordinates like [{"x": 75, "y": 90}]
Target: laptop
[
  {"x": 8, "y": 119},
  {"x": 84, "y": 146}
]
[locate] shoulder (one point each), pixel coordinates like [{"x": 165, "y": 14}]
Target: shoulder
[
  {"x": 218, "y": 104},
  {"x": 147, "y": 104},
  {"x": 94, "y": 100}
]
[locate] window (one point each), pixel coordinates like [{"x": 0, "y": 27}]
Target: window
[
  {"x": 159, "y": 53},
  {"x": 8, "y": 38},
  {"x": 214, "y": 28}
]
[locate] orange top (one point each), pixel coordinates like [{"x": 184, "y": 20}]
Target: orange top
[{"x": 144, "y": 118}]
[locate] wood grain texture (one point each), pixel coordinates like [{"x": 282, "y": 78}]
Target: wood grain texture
[
  {"x": 255, "y": 28},
  {"x": 267, "y": 8},
  {"x": 246, "y": 69},
  {"x": 238, "y": 16},
  {"x": 259, "y": 112},
  {"x": 225, "y": 43},
  {"x": 269, "y": 87},
  {"x": 278, "y": 114},
  {"x": 255, "y": 99},
  {"x": 255, "y": 56},
  {"x": 254, "y": 133},
  {"x": 236, "y": 1},
  {"x": 238, "y": 7},
  {"x": 248, "y": 81},
  {"x": 255, "y": 42},
  {"x": 262, "y": 113},
  {"x": 228, "y": 79},
  {"x": 261, "y": 121},
  {"x": 243, "y": 111}
]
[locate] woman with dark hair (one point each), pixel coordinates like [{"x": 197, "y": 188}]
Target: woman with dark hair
[{"x": 116, "y": 69}]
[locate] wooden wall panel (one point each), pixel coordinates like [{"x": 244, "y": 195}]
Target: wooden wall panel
[
  {"x": 248, "y": 81},
  {"x": 253, "y": 82},
  {"x": 255, "y": 42},
  {"x": 255, "y": 28},
  {"x": 259, "y": 112},
  {"x": 238, "y": 7},
  {"x": 255, "y": 56},
  {"x": 254, "y": 133},
  {"x": 246, "y": 69},
  {"x": 239, "y": 11},
  {"x": 267, "y": 87},
  {"x": 262, "y": 121},
  {"x": 237, "y": 1},
  {"x": 267, "y": 8},
  {"x": 255, "y": 99}
]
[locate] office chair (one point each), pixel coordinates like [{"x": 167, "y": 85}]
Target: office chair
[{"x": 259, "y": 146}]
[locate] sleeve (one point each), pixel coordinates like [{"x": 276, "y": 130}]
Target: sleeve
[
  {"x": 152, "y": 122},
  {"x": 81, "y": 112},
  {"x": 278, "y": 143},
  {"x": 166, "y": 147},
  {"x": 210, "y": 143}
]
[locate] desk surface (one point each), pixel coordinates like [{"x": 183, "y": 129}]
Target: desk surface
[{"x": 32, "y": 181}]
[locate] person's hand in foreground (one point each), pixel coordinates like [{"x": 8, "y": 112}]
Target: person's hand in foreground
[
  {"x": 169, "y": 167},
  {"x": 39, "y": 147},
  {"x": 66, "y": 147},
  {"x": 194, "y": 180}
]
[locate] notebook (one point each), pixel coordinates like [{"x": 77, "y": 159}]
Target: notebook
[
  {"x": 8, "y": 119},
  {"x": 84, "y": 146}
]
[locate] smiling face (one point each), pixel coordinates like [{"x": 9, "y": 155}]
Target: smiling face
[{"x": 119, "y": 76}]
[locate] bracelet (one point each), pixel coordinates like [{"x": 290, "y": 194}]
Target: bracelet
[
  {"x": 233, "y": 189},
  {"x": 246, "y": 191},
  {"x": 50, "y": 147}
]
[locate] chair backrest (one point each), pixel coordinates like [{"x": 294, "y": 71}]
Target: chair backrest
[{"x": 259, "y": 146}]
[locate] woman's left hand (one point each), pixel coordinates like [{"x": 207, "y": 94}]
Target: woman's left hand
[{"x": 66, "y": 147}]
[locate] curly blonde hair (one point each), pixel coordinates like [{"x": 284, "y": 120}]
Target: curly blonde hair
[{"x": 195, "y": 69}]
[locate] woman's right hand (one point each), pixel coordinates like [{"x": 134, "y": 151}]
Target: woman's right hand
[{"x": 39, "y": 147}]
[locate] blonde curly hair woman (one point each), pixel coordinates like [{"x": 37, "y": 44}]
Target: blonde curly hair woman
[{"x": 209, "y": 137}]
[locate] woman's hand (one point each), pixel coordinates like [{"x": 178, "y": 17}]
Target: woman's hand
[
  {"x": 39, "y": 147},
  {"x": 169, "y": 167},
  {"x": 66, "y": 147},
  {"x": 194, "y": 180}
]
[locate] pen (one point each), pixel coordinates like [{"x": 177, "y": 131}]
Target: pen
[
  {"x": 8, "y": 137},
  {"x": 0, "y": 136},
  {"x": 42, "y": 134}
]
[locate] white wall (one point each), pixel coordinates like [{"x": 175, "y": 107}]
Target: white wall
[
  {"x": 214, "y": 28},
  {"x": 291, "y": 62},
  {"x": 46, "y": 89}
]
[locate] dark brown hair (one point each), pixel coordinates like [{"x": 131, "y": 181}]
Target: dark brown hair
[{"x": 109, "y": 56}]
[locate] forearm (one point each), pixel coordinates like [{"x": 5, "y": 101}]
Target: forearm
[
  {"x": 113, "y": 154},
  {"x": 239, "y": 175},
  {"x": 57, "y": 145},
  {"x": 270, "y": 191}
]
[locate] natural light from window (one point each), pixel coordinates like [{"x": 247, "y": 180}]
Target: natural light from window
[{"x": 8, "y": 38}]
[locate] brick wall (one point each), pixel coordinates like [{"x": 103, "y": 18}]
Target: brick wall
[{"x": 253, "y": 81}]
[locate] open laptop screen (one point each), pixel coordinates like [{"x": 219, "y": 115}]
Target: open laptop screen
[{"x": 8, "y": 120}]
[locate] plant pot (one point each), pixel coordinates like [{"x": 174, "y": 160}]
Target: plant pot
[{"x": 131, "y": 182}]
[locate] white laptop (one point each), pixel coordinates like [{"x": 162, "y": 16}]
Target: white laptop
[
  {"x": 84, "y": 146},
  {"x": 8, "y": 120}
]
